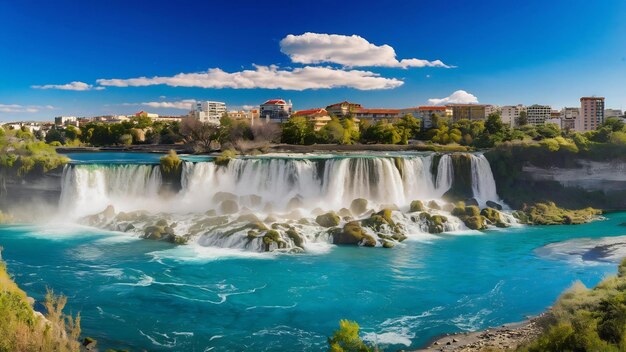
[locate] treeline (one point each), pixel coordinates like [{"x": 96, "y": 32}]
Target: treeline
[{"x": 22, "y": 155}]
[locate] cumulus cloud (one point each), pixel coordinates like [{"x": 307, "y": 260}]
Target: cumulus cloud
[
  {"x": 458, "y": 97},
  {"x": 349, "y": 51},
  {"x": 16, "y": 108},
  {"x": 181, "y": 104},
  {"x": 76, "y": 85},
  {"x": 268, "y": 77}
]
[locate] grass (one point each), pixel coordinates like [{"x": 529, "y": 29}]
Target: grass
[{"x": 22, "y": 329}]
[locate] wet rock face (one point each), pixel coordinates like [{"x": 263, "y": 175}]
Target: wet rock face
[
  {"x": 550, "y": 214},
  {"x": 416, "y": 206},
  {"x": 358, "y": 206}
]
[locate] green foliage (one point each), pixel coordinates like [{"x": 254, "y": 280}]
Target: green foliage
[
  {"x": 298, "y": 130},
  {"x": 224, "y": 158},
  {"x": 346, "y": 338},
  {"x": 550, "y": 214},
  {"x": 587, "y": 320},
  {"x": 23, "y": 156}
]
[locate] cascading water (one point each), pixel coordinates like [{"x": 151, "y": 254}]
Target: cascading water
[
  {"x": 222, "y": 205},
  {"x": 483, "y": 183}
]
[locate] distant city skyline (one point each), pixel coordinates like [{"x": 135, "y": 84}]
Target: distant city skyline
[{"x": 87, "y": 59}]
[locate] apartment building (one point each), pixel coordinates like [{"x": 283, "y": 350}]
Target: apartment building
[
  {"x": 613, "y": 113},
  {"x": 591, "y": 113},
  {"x": 511, "y": 113},
  {"x": 377, "y": 114},
  {"x": 319, "y": 117},
  {"x": 343, "y": 109},
  {"x": 66, "y": 121},
  {"x": 538, "y": 114},
  {"x": 208, "y": 111},
  {"x": 569, "y": 116},
  {"x": 426, "y": 113},
  {"x": 471, "y": 111},
  {"x": 275, "y": 110}
]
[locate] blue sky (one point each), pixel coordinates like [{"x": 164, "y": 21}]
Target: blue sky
[{"x": 501, "y": 52}]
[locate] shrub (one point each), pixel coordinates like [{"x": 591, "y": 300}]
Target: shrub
[{"x": 346, "y": 338}]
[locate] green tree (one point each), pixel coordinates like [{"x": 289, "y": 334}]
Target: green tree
[
  {"x": 297, "y": 130},
  {"x": 494, "y": 124},
  {"x": 332, "y": 132},
  {"x": 346, "y": 338},
  {"x": 522, "y": 120},
  {"x": 408, "y": 127}
]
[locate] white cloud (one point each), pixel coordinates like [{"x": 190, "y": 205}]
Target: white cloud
[
  {"x": 349, "y": 51},
  {"x": 268, "y": 77},
  {"x": 76, "y": 85},
  {"x": 15, "y": 108},
  {"x": 458, "y": 97},
  {"x": 249, "y": 107},
  {"x": 181, "y": 104}
]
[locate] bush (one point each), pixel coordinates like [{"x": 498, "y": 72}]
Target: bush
[
  {"x": 225, "y": 157},
  {"x": 346, "y": 338}
]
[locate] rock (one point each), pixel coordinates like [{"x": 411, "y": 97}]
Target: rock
[
  {"x": 222, "y": 196},
  {"x": 378, "y": 220},
  {"x": 368, "y": 241},
  {"x": 449, "y": 207},
  {"x": 317, "y": 211},
  {"x": 328, "y": 220},
  {"x": 253, "y": 200},
  {"x": 161, "y": 223},
  {"x": 272, "y": 236},
  {"x": 459, "y": 210},
  {"x": 389, "y": 206},
  {"x": 475, "y": 222},
  {"x": 472, "y": 210},
  {"x": 344, "y": 212},
  {"x": 433, "y": 205},
  {"x": 89, "y": 343},
  {"x": 471, "y": 201},
  {"x": 352, "y": 233},
  {"x": 295, "y": 202},
  {"x": 493, "y": 216},
  {"x": 358, "y": 206},
  {"x": 550, "y": 214},
  {"x": 211, "y": 212},
  {"x": 229, "y": 206},
  {"x": 416, "y": 205},
  {"x": 248, "y": 218},
  {"x": 153, "y": 232},
  {"x": 297, "y": 239},
  {"x": 108, "y": 212},
  {"x": 388, "y": 244},
  {"x": 31, "y": 301},
  {"x": 494, "y": 205}
]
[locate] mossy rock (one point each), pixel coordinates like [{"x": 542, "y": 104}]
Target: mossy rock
[
  {"x": 328, "y": 220},
  {"x": 550, "y": 214},
  {"x": 399, "y": 237},
  {"x": 229, "y": 207},
  {"x": 297, "y": 239},
  {"x": 252, "y": 234},
  {"x": 471, "y": 201},
  {"x": 459, "y": 210},
  {"x": 272, "y": 236},
  {"x": 178, "y": 239},
  {"x": 472, "y": 210},
  {"x": 449, "y": 207},
  {"x": 492, "y": 204},
  {"x": 433, "y": 205},
  {"x": 476, "y": 222},
  {"x": 210, "y": 212},
  {"x": 368, "y": 241},
  {"x": 352, "y": 233},
  {"x": 436, "y": 223},
  {"x": 388, "y": 244},
  {"x": 493, "y": 216},
  {"x": 358, "y": 206},
  {"x": 416, "y": 205},
  {"x": 154, "y": 232},
  {"x": 318, "y": 211},
  {"x": 162, "y": 223}
]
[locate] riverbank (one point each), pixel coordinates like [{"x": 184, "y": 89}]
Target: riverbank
[{"x": 507, "y": 337}]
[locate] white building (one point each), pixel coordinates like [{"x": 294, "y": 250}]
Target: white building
[
  {"x": 275, "y": 110},
  {"x": 613, "y": 113},
  {"x": 538, "y": 114},
  {"x": 510, "y": 114},
  {"x": 66, "y": 121},
  {"x": 209, "y": 111}
]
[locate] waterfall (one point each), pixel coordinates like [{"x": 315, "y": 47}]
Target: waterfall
[
  {"x": 483, "y": 183},
  {"x": 271, "y": 184},
  {"x": 87, "y": 189}
]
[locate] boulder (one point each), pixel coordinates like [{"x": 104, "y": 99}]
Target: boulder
[
  {"x": 211, "y": 212},
  {"x": 317, "y": 211},
  {"x": 433, "y": 205},
  {"x": 352, "y": 233},
  {"x": 248, "y": 218},
  {"x": 295, "y": 202},
  {"x": 388, "y": 244},
  {"x": 297, "y": 239},
  {"x": 416, "y": 205},
  {"x": 475, "y": 222},
  {"x": 472, "y": 210},
  {"x": 344, "y": 212},
  {"x": 222, "y": 196},
  {"x": 89, "y": 343},
  {"x": 328, "y": 220},
  {"x": 253, "y": 200},
  {"x": 108, "y": 212},
  {"x": 493, "y": 216},
  {"x": 494, "y": 205},
  {"x": 358, "y": 206},
  {"x": 229, "y": 206}
]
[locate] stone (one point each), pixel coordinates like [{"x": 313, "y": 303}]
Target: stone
[
  {"x": 471, "y": 201},
  {"x": 352, "y": 233},
  {"x": 328, "y": 220},
  {"x": 89, "y": 343},
  {"x": 295, "y": 202},
  {"x": 416, "y": 205},
  {"x": 344, "y": 212},
  {"x": 253, "y": 200},
  {"x": 297, "y": 239},
  {"x": 222, "y": 196},
  {"x": 475, "y": 222},
  {"x": 433, "y": 205},
  {"x": 388, "y": 244},
  {"x": 472, "y": 210},
  {"x": 229, "y": 206},
  {"x": 358, "y": 206},
  {"x": 494, "y": 205}
]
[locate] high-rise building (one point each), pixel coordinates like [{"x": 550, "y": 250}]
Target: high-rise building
[
  {"x": 591, "y": 113},
  {"x": 208, "y": 111},
  {"x": 510, "y": 114},
  {"x": 538, "y": 114}
]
